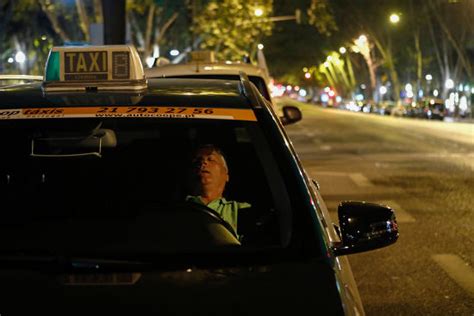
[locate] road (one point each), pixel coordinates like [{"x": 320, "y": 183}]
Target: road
[{"x": 425, "y": 171}]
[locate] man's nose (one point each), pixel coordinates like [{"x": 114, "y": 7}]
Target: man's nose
[{"x": 201, "y": 162}]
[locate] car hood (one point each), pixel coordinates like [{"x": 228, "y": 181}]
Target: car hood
[{"x": 284, "y": 288}]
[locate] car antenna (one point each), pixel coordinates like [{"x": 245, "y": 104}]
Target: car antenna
[{"x": 247, "y": 91}]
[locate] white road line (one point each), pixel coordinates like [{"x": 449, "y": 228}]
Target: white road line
[
  {"x": 360, "y": 180},
  {"x": 330, "y": 173},
  {"x": 457, "y": 269},
  {"x": 402, "y": 215}
]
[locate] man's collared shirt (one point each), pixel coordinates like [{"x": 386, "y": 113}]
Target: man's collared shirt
[{"x": 228, "y": 210}]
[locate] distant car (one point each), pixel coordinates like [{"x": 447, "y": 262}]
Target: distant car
[
  {"x": 385, "y": 107},
  {"x": 95, "y": 210},
  {"x": 433, "y": 108},
  {"x": 399, "y": 110},
  {"x": 427, "y": 108}
]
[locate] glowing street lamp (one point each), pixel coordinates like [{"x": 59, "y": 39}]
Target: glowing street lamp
[
  {"x": 260, "y": 46},
  {"x": 342, "y": 50},
  {"x": 20, "y": 57},
  {"x": 449, "y": 84},
  {"x": 362, "y": 39},
  {"x": 258, "y": 12},
  {"x": 429, "y": 77},
  {"x": 394, "y": 18},
  {"x": 307, "y": 75}
]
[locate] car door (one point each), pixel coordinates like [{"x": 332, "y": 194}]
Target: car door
[{"x": 342, "y": 269}]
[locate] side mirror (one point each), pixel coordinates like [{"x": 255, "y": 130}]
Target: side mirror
[
  {"x": 365, "y": 226},
  {"x": 291, "y": 114}
]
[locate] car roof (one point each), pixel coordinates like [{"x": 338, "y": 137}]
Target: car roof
[
  {"x": 205, "y": 68},
  {"x": 164, "y": 91},
  {"x": 21, "y": 77}
]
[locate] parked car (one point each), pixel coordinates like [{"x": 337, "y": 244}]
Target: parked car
[
  {"x": 11, "y": 80},
  {"x": 433, "y": 109},
  {"x": 427, "y": 108},
  {"x": 385, "y": 107}
]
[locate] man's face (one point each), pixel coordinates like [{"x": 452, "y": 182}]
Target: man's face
[{"x": 210, "y": 168}]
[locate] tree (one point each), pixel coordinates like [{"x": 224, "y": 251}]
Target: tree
[
  {"x": 150, "y": 22},
  {"x": 305, "y": 43},
  {"x": 452, "y": 40},
  {"x": 231, "y": 28},
  {"x": 34, "y": 41},
  {"x": 71, "y": 21}
]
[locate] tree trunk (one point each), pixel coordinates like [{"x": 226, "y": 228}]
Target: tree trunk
[
  {"x": 149, "y": 31},
  {"x": 461, "y": 52},
  {"x": 136, "y": 30},
  {"x": 419, "y": 64},
  {"x": 53, "y": 19},
  {"x": 83, "y": 19},
  {"x": 99, "y": 15},
  {"x": 388, "y": 58}
]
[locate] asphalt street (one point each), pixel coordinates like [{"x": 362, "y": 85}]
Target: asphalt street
[{"x": 425, "y": 171}]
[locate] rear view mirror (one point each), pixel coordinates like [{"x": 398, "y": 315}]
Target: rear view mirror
[
  {"x": 365, "y": 226},
  {"x": 73, "y": 145},
  {"x": 291, "y": 114}
]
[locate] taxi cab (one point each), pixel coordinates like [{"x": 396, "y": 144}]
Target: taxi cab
[
  {"x": 94, "y": 211},
  {"x": 202, "y": 64}
]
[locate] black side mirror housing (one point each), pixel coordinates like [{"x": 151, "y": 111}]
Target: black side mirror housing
[
  {"x": 365, "y": 226},
  {"x": 291, "y": 114}
]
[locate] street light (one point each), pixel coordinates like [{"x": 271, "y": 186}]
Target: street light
[
  {"x": 342, "y": 50},
  {"x": 20, "y": 57},
  {"x": 260, "y": 46},
  {"x": 362, "y": 39},
  {"x": 449, "y": 84},
  {"x": 394, "y": 18},
  {"x": 429, "y": 77},
  {"x": 258, "y": 12}
]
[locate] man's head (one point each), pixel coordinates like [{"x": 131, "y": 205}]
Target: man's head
[{"x": 209, "y": 171}]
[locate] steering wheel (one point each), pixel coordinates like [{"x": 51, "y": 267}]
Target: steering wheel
[{"x": 211, "y": 213}]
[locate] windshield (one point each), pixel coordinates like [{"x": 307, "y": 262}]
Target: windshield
[{"x": 122, "y": 186}]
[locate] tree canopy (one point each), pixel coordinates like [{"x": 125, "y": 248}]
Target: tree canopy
[{"x": 233, "y": 28}]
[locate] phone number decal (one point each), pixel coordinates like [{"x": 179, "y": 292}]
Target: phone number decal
[{"x": 129, "y": 112}]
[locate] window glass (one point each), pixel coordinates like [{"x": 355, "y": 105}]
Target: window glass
[{"x": 123, "y": 186}]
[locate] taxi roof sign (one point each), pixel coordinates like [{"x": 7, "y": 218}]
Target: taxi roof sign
[{"x": 111, "y": 67}]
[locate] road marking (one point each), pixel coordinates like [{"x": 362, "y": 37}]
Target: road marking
[
  {"x": 457, "y": 269},
  {"x": 402, "y": 215},
  {"x": 360, "y": 180}
]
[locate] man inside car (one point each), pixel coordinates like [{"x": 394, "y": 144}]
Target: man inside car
[{"x": 209, "y": 175}]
